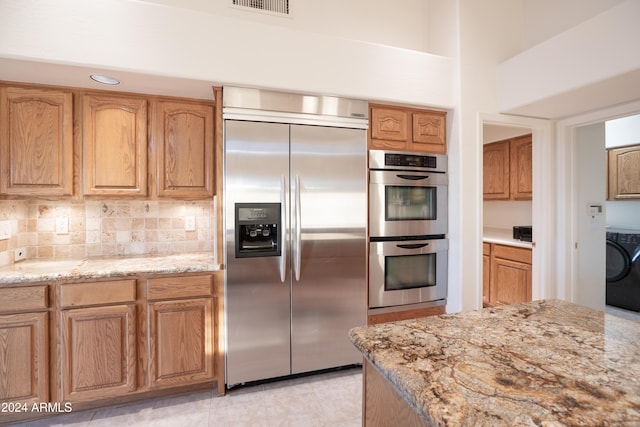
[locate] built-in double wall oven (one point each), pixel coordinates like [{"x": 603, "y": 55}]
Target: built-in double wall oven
[{"x": 408, "y": 249}]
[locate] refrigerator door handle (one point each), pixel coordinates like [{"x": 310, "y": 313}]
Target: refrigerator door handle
[
  {"x": 283, "y": 230},
  {"x": 298, "y": 230}
]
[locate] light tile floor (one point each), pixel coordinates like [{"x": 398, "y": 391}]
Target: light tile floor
[
  {"x": 621, "y": 312},
  {"x": 322, "y": 400}
]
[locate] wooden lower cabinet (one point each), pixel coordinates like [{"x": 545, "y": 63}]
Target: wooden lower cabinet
[
  {"x": 24, "y": 345},
  {"x": 181, "y": 342},
  {"x": 24, "y": 373},
  {"x": 509, "y": 275},
  {"x": 98, "y": 352}
]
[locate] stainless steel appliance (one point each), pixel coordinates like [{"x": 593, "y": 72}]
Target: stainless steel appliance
[
  {"x": 407, "y": 272},
  {"x": 408, "y": 251},
  {"x": 295, "y": 226},
  {"x": 408, "y": 194},
  {"x": 623, "y": 268},
  {"x": 523, "y": 232}
]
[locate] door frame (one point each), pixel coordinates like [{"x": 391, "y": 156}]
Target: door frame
[
  {"x": 567, "y": 209},
  {"x": 543, "y": 203}
]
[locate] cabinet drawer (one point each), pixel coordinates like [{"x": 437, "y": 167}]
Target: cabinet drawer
[
  {"x": 512, "y": 253},
  {"x": 97, "y": 293},
  {"x": 179, "y": 287},
  {"x": 23, "y": 299}
]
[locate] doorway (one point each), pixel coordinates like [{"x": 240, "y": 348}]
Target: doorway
[
  {"x": 540, "y": 209},
  {"x": 595, "y": 212},
  {"x": 580, "y": 233}
]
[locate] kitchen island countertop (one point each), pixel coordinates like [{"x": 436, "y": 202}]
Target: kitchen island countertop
[
  {"x": 102, "y": 267},
  {"x": 545, "y": 362}
]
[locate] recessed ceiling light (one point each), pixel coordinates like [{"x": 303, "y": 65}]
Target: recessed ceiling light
[{"x": 107, "y": 80}]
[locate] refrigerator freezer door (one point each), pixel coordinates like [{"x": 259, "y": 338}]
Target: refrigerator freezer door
[
  {"x": 257, "y": 290},
  {"x": 328, "y": 224}
]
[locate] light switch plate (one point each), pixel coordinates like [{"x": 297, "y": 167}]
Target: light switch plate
[
  {"x": 190, "y": 223},
  {"x": 5, "y": 230}
]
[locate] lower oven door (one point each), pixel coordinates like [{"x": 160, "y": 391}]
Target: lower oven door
[{"x": 407, "y": 272}]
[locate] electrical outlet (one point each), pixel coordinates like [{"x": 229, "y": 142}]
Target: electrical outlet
[
  {"x": 62, "y": 225},
  {"x": 20, "y": 254},
  {"x": 190, "y": 223},
  {"x": 5, "y": 230}
]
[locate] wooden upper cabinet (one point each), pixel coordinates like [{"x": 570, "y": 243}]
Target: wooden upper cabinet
[
  {"x": 114, "y": 136},
  {"x": 183, "y": 138},
  {"x": 623, "y": 173},
  {"x": 521, "y": 168},
  {"x": 389, "y": 128},
  {"x": 36, "y": 142},
  {"x": 507, "y": 169},
  {"x": 407, "y": 129},
  {"x": 429, "y": 132},
  {"x": 495, "y": 183}
]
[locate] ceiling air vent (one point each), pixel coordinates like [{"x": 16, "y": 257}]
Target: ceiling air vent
[{"x": 274, "y": 6}]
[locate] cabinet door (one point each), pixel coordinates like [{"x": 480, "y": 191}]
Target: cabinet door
[
  {"x": 389, "y": 128},
  {"x": 183, "y": 138},
  {"x": 98, "y": 352},
  {"x": 115, "y": 145},
  {"x": 36, "y": 142},
  {"x": 486, "y": 273},
  {"x": 181, "y": 342},
  {"x": 521, "y": 168},
  {"x": 429, "y": 132},
  {"x": 624, "y": 173},
  {"x": 510, "y": 281},
  {"x": 495, "y": 184},
  {"x": 23, "y": 358}
]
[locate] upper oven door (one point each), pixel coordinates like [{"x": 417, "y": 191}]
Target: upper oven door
[{"x": 407, "y": 203}]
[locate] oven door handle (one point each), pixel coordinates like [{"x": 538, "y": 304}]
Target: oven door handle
[
  {"x": 413, "y": 177},
  {"x": 413, "y": 246}
]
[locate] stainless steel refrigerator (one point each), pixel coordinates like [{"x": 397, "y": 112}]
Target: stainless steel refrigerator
[{"x": 295, "y": 226}]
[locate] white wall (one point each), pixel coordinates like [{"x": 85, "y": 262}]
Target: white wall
[
  {"x": 544, "y": 19},
  {"x": 156, "y": 40},
  {"x": 490, "y": 32},
  {"x": 506, "y": 213},
  {"x": 400, "y": 23},
  {"x": 591, "y": 188},
  {"x": 588, "y": 67}
]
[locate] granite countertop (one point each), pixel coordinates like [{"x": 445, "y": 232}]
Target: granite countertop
[
  {"x": 503, "y": 236},
  {"x": 546, "y": 362},
  {"x": 94, "y": 268}
]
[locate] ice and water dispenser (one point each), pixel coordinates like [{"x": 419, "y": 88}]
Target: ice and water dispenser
[{"x": 257, "y": 230}]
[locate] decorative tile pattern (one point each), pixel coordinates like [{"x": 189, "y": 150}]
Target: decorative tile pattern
[{"x": 106, "y": 228}]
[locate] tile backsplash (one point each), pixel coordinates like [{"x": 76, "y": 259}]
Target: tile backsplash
[{"x": 105, "y": 228}]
